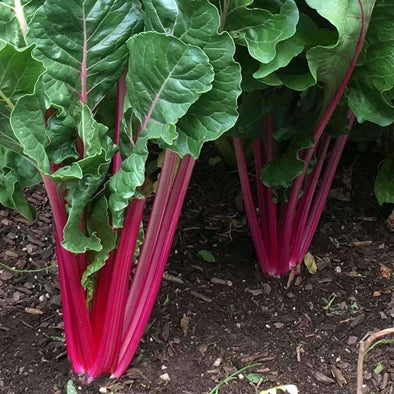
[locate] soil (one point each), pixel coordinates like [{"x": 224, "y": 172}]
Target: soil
[{"x": 212, "y": 319}]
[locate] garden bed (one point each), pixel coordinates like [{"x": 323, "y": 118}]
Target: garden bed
[{"x": 213, "y": 318}]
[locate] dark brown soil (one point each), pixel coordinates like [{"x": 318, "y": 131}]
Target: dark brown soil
[{"x": 212, "y": 319}]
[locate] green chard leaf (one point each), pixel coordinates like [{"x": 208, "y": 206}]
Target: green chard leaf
[
  {"x": 163, "y": 93},
  {"x": 22, "y": 166},
  {"x": 19, "y": 73},
  {"x": 288, "y": 49},
  {"x": 371, "y": 90},
  {"x": 15, "y": 16},
  {"x": 174, "y": 76},
  {"x": 16, "y": 172},
  {"x": 97, "y": 219},
  {"x": 62, "y": 136},
  {"x": 329, "y": 63},
  {"x": 261, "y": 30},
  {"x": 289, "y": 67},
  {"x": 82, "y": 45},
  {"x": 197, "y": 23},
  {"x": 90, "y": 173},
  {"x": 27, "y": 121},
  {"x": 281, "y": 173}
]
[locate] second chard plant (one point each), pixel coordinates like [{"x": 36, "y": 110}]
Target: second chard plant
[
  {"x": 308, "y": 73},
  {"x": 86, "y": 86}
]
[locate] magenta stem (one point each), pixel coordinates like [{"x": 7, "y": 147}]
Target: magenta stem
[
  {"x": 250, "y": 207},
  {"x": 155, "y": 266},
  {"x": 71, "y": 341},
  {"x": 153, "y": 229},
  {"x": 271, "y": 206},
  {"x": 288, "y": 217},
  {"x": 258, "y": 164},
  {"x": 100, "y": 299},
  {"x": 321, "y": 197},
  {"x": 74, "y": 296},
  {"x": 108, "y": 352},
  {"x": 306, "y": 201}
]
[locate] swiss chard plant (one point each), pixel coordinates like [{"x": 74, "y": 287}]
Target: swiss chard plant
[
  {"x": 310, "y": 70},
  {"x": 87, "y": 87}
]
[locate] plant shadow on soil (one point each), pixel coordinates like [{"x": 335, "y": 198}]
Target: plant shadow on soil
[{"x": 212, "y": 319}]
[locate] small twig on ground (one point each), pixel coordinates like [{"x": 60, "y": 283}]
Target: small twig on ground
[
  {"x": 174, "y": 279},
  {"x": 201, "y": 296},
  {"x": 365, "y": 344},
  {"x": 218, "y": 281}
]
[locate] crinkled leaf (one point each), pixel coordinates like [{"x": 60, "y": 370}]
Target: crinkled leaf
[
  {"x": 369, "y": 95},
  {"x": 82, "y": 43},
  {"x": 216, "y": 111},
  {"x": 19, "y": 73},
  {"x": 97, "y": 222},
  {"x": 289, "y": 67},
  {"x": 59, "y": 93},
  {"x": 27, "y": 121},
  {"x": 174, "y": 76},
  {"x": 79, "y": 192},
  {"x": 68, "y": 172},
  {"x": 197, "y": 23},
  {"x": 286, "y": 50},
  {"x": 62, "y": 136},
  {"x": 124, "y": 183},
  {"x": 15, "y": 173},
  {"x": 260, "y": 30},
  {"x": 14, "y": 25},
  {"x": 296, "y": 75},
  {"x": 127, "y": 133},
  {"x": 89, "y": 130},
  {"x": 25, "y": 170},
  {"x": 11, "y": 195},
  {"x": 330, "y": 63},
  {"x": 384, "y": 183},
  {"x": 281, "y": 173}
]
